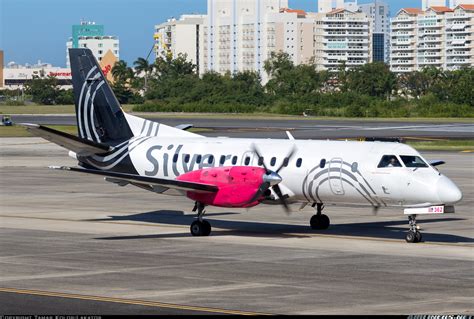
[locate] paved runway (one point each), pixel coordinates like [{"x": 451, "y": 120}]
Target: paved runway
[
  {"x": 73, "y": 243},
  {"x": 303, "y": 129}
]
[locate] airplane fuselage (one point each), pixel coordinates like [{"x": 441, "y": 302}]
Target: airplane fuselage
[{"x": 340, "y": 172}]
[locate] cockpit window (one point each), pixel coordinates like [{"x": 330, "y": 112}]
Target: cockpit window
[
  {"x": 413, "y": 161},
  {"x": 389, "y": 161}
]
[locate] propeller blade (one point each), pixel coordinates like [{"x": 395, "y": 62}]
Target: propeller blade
[
  {"x": 261, "y": 190},
  {"x": 260, "y": 158},
  {"x": 277, "y": 190},
  {"x": 287, "y": 159}
]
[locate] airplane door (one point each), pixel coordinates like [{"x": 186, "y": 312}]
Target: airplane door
[{"x": 335, "y": 176}]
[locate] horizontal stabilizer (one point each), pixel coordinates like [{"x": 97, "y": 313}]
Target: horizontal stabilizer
[
  {"x": 145, "y": 181},
  {"x": 80, "y": 146},
  {"x": 184, "y": 127}
]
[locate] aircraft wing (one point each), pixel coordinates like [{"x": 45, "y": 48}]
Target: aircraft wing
[
  {"x": 73, "y": 143},
  {"x": 143, "y": 181}
]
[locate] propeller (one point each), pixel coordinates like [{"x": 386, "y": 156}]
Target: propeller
[{"x": 271, "y": 179}]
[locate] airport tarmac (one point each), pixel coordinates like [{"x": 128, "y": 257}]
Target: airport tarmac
[
  {"x": 301, "y": 129},
  {"x": 74, "y": 243}
]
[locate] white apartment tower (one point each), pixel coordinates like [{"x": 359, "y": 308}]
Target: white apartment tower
[
  {"x": 180, "y": 36},
  {"x": 439, "y": 37},
  {"x": 341, "y": 37},
  {"x": 237, "y": 33}
]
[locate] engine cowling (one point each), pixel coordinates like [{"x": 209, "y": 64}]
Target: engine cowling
[{"x": 237, "y": 185}]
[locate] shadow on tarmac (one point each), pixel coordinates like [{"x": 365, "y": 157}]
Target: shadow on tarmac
[{"x": 383, "y": 230}]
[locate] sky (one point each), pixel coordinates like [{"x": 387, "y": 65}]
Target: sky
[{"x": 32, "y": 30}]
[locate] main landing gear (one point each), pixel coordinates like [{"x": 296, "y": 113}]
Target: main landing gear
[
  {"x": 413, "y": 235},
  {"x": 319, "y": 221},
  {"x": 200, "y": 227}
]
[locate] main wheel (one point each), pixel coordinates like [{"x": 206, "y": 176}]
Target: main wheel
[
  {"x": 324, "y": 221},
  {"x": 411, "y": 237},
  {"x": 207, "y": 228},
  {"x": 320, "y": 222},
  {"x": 197, "y": 228},
  {"x": 418, "y": 237}
]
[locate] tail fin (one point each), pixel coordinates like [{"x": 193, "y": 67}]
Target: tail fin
[{"x": 99, "y": 116}]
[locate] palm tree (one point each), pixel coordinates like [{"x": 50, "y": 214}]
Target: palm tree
[
  {"x": 143, "y": 66},
  {"x": 122, "y": 72}
]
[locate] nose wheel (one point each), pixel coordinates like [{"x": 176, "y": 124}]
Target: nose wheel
[
  {"x": 319, "y": 221},
  {"x": 413, "y": 235},
  {"x": 200, "y": 227}
]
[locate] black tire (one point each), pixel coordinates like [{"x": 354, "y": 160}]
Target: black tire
[
  {"x": 197, "y": 228},
  {"x": 206, "y": 228},
  {"x": 411, "y": 237},
  {"x": 320, "y": 222},
  {"x": 324, "y": 222},
  {"x": 418, "y": 237},
  {"x": 314, "y": 222}
]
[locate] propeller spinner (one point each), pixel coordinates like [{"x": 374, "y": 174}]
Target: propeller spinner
[{"x": 271, "y": 179}]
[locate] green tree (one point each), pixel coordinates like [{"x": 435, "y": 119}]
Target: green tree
[
  {"x": 122, "y": 73},
  {"x": 43, "y": 91},
  {"x": 373, "y": 79},
  {"x": 142, "y": 66}
]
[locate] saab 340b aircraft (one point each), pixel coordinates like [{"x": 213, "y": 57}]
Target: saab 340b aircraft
[{"x": 242, "y": 173}]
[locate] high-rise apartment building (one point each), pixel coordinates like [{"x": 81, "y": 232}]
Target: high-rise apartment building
[
  {"x": 439, "y": 37},
  {"x": 91, "y": 35},
  {"x": 379, "y": 14},
  {"x": 180, "y": 36},
  {"x": 341, "y": 37},
  {"x": 239, "y": 35}
]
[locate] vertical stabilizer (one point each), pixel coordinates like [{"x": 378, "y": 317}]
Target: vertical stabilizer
[{"x": 99, "y": 116}]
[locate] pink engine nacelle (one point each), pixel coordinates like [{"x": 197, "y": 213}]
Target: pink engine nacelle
[{"x": 237, "y": 185}]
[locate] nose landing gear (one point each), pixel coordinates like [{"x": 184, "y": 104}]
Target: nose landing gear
[
  {"x": 319, "y": 221},
  {"x": 200, "y": 227},
  {"x": 413, "y": 235}
]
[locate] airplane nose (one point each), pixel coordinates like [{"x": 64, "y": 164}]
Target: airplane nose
[{"x": 448, "y": 192}]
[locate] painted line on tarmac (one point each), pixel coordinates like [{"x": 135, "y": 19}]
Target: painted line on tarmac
[
  {"x": 129, "y": 301},
  {"x": 467, "y": 151}
]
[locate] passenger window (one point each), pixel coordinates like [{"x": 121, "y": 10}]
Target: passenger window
[
  {"x": 234, "y": 160},
  {"x": 299, "y": 162},
  {"x": 260, "y": 161},
  {"x": 198, "y": 159},
  {"x": 186, "y": 158},
  {"x": 273, "y": 161},
  {"x": 211, "y": 159},
  {"x": 286, "y": 160},
  {"x": 413, "y": 161},
  {"x": 175, "y": 158},
  {"x": 222, "y": 161},
  {"x": 247, "y": 161},
  {"x": 389, "y": 161},
  {"x": 322, "y": 164}
]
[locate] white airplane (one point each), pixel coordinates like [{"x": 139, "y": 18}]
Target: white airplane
[{"x": 242, "y": 173}]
